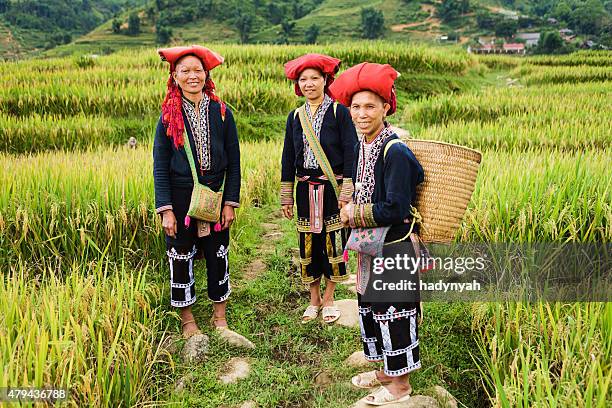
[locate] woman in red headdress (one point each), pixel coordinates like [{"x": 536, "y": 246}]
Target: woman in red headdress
[
  {"x": 318, "y": 151},
  {"x": 193, "y": 114},
  {"x": 386, "y": 174}
]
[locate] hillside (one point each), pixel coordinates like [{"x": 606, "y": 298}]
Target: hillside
[
  {"x": 307, "y": 21},
  {"x": 31, "y": 26}
]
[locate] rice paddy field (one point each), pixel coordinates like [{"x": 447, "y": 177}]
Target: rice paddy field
[{"x": 84, "y": 301}]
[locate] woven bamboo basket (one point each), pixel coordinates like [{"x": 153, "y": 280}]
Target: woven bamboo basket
[{"x": 450, "y": 178}]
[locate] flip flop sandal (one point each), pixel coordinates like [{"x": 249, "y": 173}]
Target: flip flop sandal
[
  {"x": 190, "y": 333},
  {"x": 383, "y": 396},
  {"x": 366, "y": 380},
  {"x": 310, "y": 313},
  {"x": 331, "y": 311}
]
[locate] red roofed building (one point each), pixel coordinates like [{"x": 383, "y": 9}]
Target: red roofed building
[{"x": 514, "y": 48}]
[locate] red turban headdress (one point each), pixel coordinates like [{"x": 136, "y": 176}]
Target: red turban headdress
[
  {"x": 172, "y": 116},
  {"x": 367, "y": 76},
  {"x": 324, "y": 63}
]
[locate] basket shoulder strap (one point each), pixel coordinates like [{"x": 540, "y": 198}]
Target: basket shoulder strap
[{"x": 389, "y": 144}]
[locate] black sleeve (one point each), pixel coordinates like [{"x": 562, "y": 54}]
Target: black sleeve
[
  {"x": 401, "y": 175},
  {"x": 349, "y": 139},
  {"x": 162, "y": 153},
  {"x": 288, "y": 157},
  {"x": 231, "y": 193}
]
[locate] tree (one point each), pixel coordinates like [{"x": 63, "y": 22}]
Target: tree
[
  {"x": 4, "y": 5},
  {"x": 372, "y": 23},
  {"x": 286, "y": 31},
  {"x": 133, "y": 24},
  {"x": 506, "y": 28},
  {"x": 275, "y": 13},
  {"x": 116, "y": 26},
  {"x": 485, "y": 20},
  {"x": 588, "y": 17},
  {"x": 150, "y": 13},
  {"x": 163, "y": 35},
  {"x": 550, "y": 43},
  {"x": 562, "y": 12},
  {"x": 312, "y": 33},
  {"x": 244, "y": 24},
  {"x": 449, "y": 10},
  {"x": 287, "y": 27},
  {"x": 605, "y": 37}
]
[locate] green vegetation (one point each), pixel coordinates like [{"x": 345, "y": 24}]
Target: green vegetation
[
  {"x": 78, "y": 229},
  {"x": 106, "y": 26}
]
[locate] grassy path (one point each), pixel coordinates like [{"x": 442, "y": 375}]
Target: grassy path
[{"x": 297, "y": 365}]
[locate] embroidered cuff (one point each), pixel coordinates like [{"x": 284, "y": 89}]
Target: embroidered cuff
[
  {"x": 232, "y": 204},
  {"x": 286, "y": 193},
  {"x": 163, "y": 208},
  {"x": 346, "y": 192},
  {"x": 363, "y": 216}
]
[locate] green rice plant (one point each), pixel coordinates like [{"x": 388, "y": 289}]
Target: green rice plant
[
  {"x": 541, "y": 196},
  {"x": 588, "y": 100},
  {"x": 53, "y": 132},
  {"x": 500, "y": 62},
  {"x": 545, "y": 354},
  {"x": 54, "y": 209},
  {"x": 524, "y": 131},
  {"x": 593, "y": 58},
  {"x": 92, "y": 330},
  {"x": 535, "y": 75}
]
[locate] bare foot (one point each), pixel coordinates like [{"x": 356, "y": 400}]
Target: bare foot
[{"x": 382, "y": 377}]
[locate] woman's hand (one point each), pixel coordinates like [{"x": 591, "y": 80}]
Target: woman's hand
[
  {"x": 344, "y": 216},
  {"x": 288, "y": 211},
  {"x": 227, "y": 216},
  {"x": 169, "y": 223}
]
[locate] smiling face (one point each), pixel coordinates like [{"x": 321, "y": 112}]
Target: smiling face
[
  {"x": 190, "y": 74},
  {"x": 368, "y": 111},
  {"x": 312, "y": 83}
]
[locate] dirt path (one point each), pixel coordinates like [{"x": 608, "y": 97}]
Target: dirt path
[
  {"x": 272, "y": 234},
  {"x": 431, "y": 20}
]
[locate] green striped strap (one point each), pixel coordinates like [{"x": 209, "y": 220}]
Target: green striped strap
[
  {"x": 317, "y": 149},
  {"x": 187, "y": 145},
  {"x": 194, "y": 172}
]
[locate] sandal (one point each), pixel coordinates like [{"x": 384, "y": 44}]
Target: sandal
[
  {"x": 190, "y": 333},
  {"x": 366, "y": 380},
  {"x": 383, "y": 396},
  {"x": 310, "y": 313},
  {"x": 214, "y": 319},
  {"x": 331, "y": 311}
]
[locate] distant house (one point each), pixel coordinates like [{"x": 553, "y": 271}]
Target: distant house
[
  {"x": 566, "y": 31},
  {"x": 531, "y": 39},
  {"x": 486, "y": 40},
  {"x": 588, "y": 44},
  {"x": 508, "y": 48},
  {"x": 552, "y": 21},
  {"x": 514, "y": 48},
  {"x": 509, "y": 14}
]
